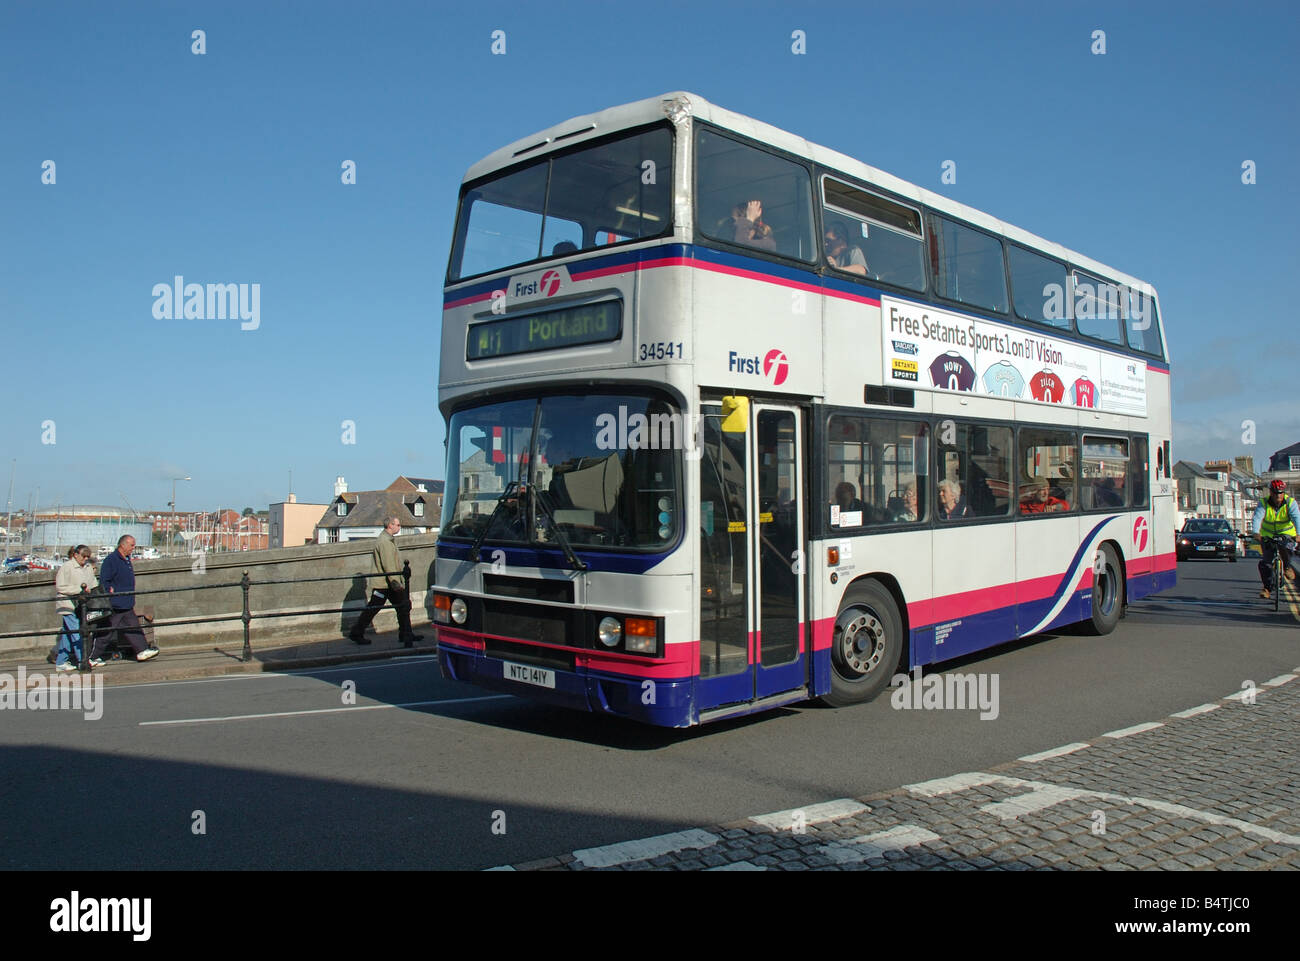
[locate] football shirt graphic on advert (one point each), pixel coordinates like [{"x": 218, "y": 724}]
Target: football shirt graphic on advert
[
  {"x": 1004, "y": 380},
  {"x": 1046, "y": 385},
  {"x": 952, "y": 372},
  {"x": 1083, "y": 393}
]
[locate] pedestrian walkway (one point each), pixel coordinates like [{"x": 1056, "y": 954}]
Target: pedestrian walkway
[
  {"x": 179, "y": 663},
  {"x": 1211, "y": 787}
]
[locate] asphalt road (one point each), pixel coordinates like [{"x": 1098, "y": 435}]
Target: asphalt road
[{"x": 424, "y": 773}]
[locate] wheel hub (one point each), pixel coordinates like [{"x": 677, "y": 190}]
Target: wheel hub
[{"x": 861, "y": 642}]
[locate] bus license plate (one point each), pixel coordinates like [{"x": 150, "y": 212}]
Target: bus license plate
[
  {"x": 527, "y": 674},
  {"x": 1208, "y": 547}
]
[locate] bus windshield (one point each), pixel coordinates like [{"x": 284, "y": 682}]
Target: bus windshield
[
  {"x": 604, "y": 471},
  {"x": 613, "y": 192}
]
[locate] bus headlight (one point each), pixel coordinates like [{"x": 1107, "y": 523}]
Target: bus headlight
[
  {"x": 459, "y": 611},
  {"x": 610, "y": 631}
]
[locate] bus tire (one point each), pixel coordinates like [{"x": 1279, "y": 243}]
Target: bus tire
[
  {"x": 1107, "y": 593},
  {"x": 866, "y": 644}
]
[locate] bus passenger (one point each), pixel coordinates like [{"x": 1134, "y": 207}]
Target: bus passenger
[
  {"x": 1038, "y": 499},
  {"x": 907, "y": 512},
  {"x": 747, "y": 224},
  {"x": 951, "y": 503},
  {"x": 846, "y": 498},
  {"x": 838, "y": 252}
]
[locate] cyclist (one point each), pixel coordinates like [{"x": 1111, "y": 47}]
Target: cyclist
[{"x": 1276, "y": 517}]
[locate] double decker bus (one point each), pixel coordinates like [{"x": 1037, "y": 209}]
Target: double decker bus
[{"x": 734, "y": 420}]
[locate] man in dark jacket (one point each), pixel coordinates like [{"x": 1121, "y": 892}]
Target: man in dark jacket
[
  {"x": 118, "y": 577},
  {"x": 387, "y": 560}
]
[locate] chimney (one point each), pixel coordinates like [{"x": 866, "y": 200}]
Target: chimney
[
  {"x": 420, "y": 488},
  {"x": 293, "y": 499},
  {"x": 340, "y": 486}
]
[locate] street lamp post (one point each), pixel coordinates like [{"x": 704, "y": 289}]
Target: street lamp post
[{"x": 172, "y": 505}]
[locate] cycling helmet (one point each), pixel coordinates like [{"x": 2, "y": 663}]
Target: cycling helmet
[{"x": 1277, "y": 487}]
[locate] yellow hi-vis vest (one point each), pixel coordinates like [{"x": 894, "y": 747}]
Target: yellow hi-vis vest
[{"x": 1277, "y": 521}]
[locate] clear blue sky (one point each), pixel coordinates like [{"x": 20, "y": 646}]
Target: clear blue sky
[{"x": 225, "y": 168}]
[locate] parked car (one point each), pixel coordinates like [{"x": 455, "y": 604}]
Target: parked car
[{"x": 1205, "y": 537}]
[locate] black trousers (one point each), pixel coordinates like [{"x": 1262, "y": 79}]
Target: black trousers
[
  {"x": 1266, "y": 564},
  {"x": 120, "y": 623},
  {"x": 401, "y": 602}
]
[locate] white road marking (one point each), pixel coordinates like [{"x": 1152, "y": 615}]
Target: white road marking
[
  {"x": 1056, "y": 752},
  {"x": 1033, "y": 802},
  {"x": 947, "y": 785},
  {"x": 875, "y": 845},
  {"x": 1193, "y": 711},
  {"x": 612, "y": 854},
  {"x": 323, "y": 710},
  {"x": 1279, "y": 680},
  {"x": 812, "y": 814},
  {"x": 263, "y": 675},
  {"x": 1135, "y": 729}
]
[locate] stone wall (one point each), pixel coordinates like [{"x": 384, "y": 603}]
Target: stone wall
[{"x": 172, "y": 575}]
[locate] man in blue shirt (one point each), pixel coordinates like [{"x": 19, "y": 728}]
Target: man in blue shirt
[{"x": 118, "y": 577}]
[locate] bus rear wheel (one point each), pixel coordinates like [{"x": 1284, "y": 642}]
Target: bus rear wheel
[
  {"x": 866, "y": 644},
  {"x": 1107, "y": 592}
]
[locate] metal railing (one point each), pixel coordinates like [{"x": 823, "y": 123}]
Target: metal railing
[{"x": 90, "y": 633}]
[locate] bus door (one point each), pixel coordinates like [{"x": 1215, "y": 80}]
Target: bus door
[{"x": 753, "y": 637}]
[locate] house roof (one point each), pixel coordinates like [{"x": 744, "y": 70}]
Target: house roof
[
  {"x": 1191, "y": 468},
  {"x": 1281, "y": 460},
  {"x": 371, "y": 507},
  {"x": 405, "y": 483}
]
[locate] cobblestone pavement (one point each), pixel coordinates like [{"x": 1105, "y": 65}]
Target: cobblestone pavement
[{"x": 1213, "y": 787}]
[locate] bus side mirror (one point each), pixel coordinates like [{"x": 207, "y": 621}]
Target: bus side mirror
[{"x": 735, "y": 415}]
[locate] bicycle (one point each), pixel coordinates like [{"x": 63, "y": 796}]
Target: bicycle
[{"x": 1279, "y": 565}]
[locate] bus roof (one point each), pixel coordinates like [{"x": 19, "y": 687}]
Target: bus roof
[{"x": 613, "y": 119}]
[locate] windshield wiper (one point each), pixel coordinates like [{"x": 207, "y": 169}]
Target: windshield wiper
[
  {"x": 511, "y": 488},
  {"x": 578, "y": 563}
]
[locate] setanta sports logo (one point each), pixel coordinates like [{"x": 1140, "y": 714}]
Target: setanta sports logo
[
  {"x": 1140, "y": 534},
  {"x": 776, "y": 366},
  {"x": 904, "y": 369}
]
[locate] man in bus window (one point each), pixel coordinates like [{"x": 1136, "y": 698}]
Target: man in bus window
[
  {"x": 951, "y": 503},
  {"x": 748, "y": 226},
  {"x": 1038, "y": 499},
  {"x": 839, "y": 254}
]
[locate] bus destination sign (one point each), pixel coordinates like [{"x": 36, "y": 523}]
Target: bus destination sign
[{"x": 571, "y": 327}]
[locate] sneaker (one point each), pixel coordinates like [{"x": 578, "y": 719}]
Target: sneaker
[
  {"x": 67, "y": 667},
  {"x": 1264, "y": 593},
  {"x": 96, "y": 662},
  {"x": 147, "y": 653},
  {"x": 412, "y": 638},
  {"x": 359, "y": 639}
]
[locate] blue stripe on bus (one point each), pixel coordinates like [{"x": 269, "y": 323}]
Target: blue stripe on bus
[
  {"x": 804, "y": 275},
  {"x": 517, "y": 556}
]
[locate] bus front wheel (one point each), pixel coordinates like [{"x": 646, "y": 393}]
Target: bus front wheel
[
  {"x": 1107, "y": 592},
  {"x": 866, "y": 644}
]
